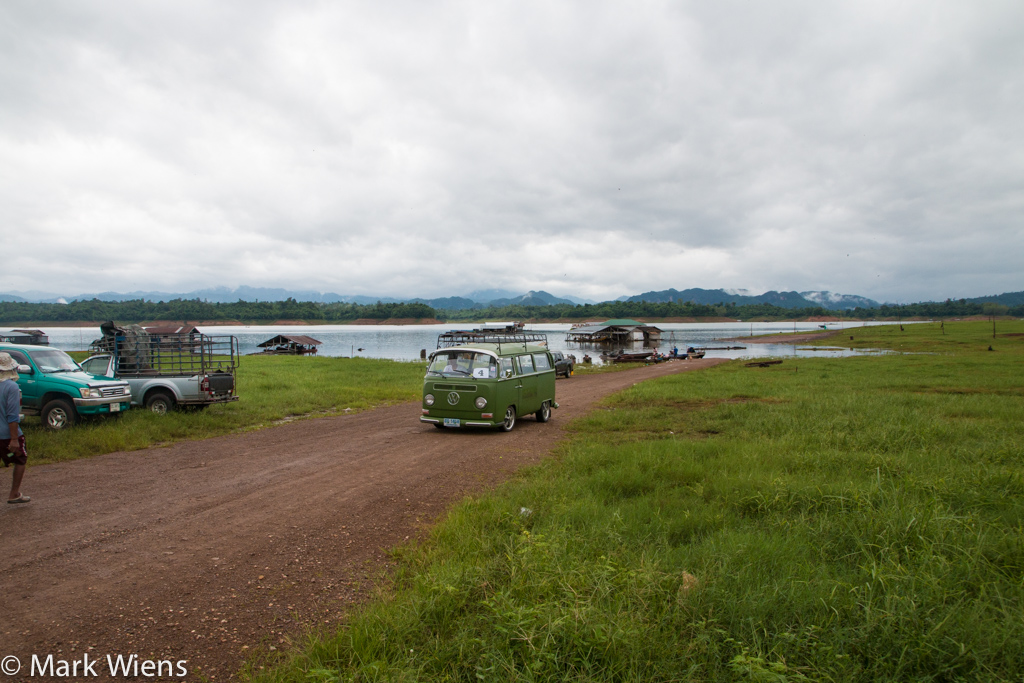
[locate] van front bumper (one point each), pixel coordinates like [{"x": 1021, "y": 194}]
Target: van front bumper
[{"x": 462, "y": 423}]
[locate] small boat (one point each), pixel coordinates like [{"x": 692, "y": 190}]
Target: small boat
[
  {"x": 624, "y": 357},
  {"x": 695, "y": 352}
]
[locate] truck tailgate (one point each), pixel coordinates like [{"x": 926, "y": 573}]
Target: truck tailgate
[{"x": 221, "y": 382}]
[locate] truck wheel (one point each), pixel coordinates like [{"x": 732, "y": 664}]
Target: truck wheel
[
  {"x": 160, "y": 402},
  {"x": 544, "y": 414},
  {"x": 58, "y": 414},
  {"x": 510, "y": 419}
]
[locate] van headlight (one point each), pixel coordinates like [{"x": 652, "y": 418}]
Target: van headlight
[
  {"x": 481, "y": 402},
  {"x": 429, "y": 399},
  {"x": 87, "y": 392}
]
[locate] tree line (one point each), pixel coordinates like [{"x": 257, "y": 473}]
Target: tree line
[
  {"x": 763, "y": 311},
  {"x": 140, "y": 310}
]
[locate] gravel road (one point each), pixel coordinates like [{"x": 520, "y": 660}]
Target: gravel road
[{"x": 211, "y": 550}]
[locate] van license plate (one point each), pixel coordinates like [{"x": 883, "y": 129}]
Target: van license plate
[
  {"x": 114, "y": 407},
  {"x": 452, "y": 422}
]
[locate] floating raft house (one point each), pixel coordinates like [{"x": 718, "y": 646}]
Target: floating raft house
[
  {"x": 290, "y": 344},
  {"x": 159, "y": 331},
  {"x": 494, "y": 333},
  {"x": 617, "y": 331},
  {"x": 33, "y": 337}
]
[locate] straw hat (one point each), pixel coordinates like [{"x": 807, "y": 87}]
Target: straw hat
[{"x": 8, "y": 367}]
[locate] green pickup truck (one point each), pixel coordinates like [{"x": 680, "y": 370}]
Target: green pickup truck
[{"x": 54, "y": 387}]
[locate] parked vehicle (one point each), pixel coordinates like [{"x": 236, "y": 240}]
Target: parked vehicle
[
  {"x": 488, "y": 385},
  {"x": 168, "y": 370},
  {"x": 563, "y": 363},
  {"x": 54, "y": 387}
]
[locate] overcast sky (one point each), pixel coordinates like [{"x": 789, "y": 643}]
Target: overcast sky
[{"x": 587, "y": 148}]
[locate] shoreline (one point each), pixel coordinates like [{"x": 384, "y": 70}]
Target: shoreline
[
  {"x": 785, "y": 337},
  {"x": 435, "y": 321}
]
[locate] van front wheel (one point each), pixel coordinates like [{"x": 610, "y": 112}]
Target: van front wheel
[
  {"x": 544, "y": 414},
  {"x": 510, "y": 419}
]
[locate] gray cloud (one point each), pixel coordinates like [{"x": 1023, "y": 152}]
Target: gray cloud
[{"x": 589, "y": 148}]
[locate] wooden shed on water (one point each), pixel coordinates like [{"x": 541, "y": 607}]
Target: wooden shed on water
[
  {"x": 163, "y": 330},
  {"x": 495, "y": 333},
  {"x": 290, "y": 344},
  {"x": 619, "y": 331},
  {"x": 34, "y": 337}
]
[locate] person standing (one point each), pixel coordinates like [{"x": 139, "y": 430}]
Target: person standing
[{"x": 12, "y": 439}]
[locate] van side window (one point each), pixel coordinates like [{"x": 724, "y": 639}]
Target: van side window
[
  {"x": 540, "y": 360},
  {"x": 526, "y": 364},
  {"x": 507, "y": 367}
]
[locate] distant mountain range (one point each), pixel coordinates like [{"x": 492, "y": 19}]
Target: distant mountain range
[
  {"x": 829, "y": 300},
  {"x": 488, "y": 298},
  {"x": 479, "y": 299}
]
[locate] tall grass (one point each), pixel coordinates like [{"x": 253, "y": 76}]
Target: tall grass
[
  {"x": 271, "y": 388},
  {"x": 854, "y": 519}
]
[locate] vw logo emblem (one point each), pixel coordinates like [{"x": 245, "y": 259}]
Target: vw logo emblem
[{"x": 453, "y": 398}]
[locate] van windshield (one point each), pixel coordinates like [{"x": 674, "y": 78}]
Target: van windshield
[
  {"x": 463, "y": 364},
  {"x": 53, "y": 360}
]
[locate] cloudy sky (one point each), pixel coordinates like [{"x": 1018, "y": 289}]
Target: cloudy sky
[{"x": 587, "y": 148}]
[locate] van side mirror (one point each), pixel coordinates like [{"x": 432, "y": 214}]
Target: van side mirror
[
  {"x": 508, "y": 372},
  {"x": 25, "y": 370}
]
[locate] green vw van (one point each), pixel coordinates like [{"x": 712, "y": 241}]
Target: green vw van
[{"x": 488, "y": 385}]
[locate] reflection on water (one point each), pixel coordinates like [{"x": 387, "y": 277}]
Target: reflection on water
[{"x": 404, "y": 342}]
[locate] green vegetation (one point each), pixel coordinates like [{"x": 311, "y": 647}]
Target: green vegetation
[
  {"x": 857, "y": 519},
  {"x": 684, "y": 309},
  {"x": 12, "y": 313},
  {"x": 272, "y": 388},
  {"x": 196, "y": 310}
]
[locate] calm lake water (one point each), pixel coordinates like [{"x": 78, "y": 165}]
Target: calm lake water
[{"x": 404, "y": 342}]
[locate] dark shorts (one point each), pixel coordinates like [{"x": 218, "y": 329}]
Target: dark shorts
[{"x": 8, "y": 455}]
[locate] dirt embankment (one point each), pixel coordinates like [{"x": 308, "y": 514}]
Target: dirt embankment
[
  {"x": 651, "y": 321},
  {"x": 394, "y": 321},
  {"x": 209, "y": 551},
  {"x": 788, "y": 338}
]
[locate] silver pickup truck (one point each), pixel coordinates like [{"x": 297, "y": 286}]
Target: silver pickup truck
[{"x": 166, "y": 371}]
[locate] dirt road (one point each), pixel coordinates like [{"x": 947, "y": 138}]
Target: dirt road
[{"x": 210, "y": 550}]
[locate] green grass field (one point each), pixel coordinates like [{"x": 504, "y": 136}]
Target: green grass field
[
  {"x": 857, "y": 519},
  {"x": 272, "y": 388}
]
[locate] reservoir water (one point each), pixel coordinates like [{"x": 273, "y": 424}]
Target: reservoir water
[{"x": 404, "y": 342}]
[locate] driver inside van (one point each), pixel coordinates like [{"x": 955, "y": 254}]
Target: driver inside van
[{"x": 453, "y": 364}]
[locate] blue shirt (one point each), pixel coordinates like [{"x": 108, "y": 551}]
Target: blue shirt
[{"x": 10, "y": 404}]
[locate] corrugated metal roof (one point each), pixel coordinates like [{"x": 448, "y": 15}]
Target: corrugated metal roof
[
  {"x": 588, "y": 329},
  {"x": 172, "y": 329},
  {"x": 290, "y": 338}
]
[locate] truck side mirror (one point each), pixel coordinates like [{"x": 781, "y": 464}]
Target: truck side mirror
[{"x": 25, "y": 370}]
